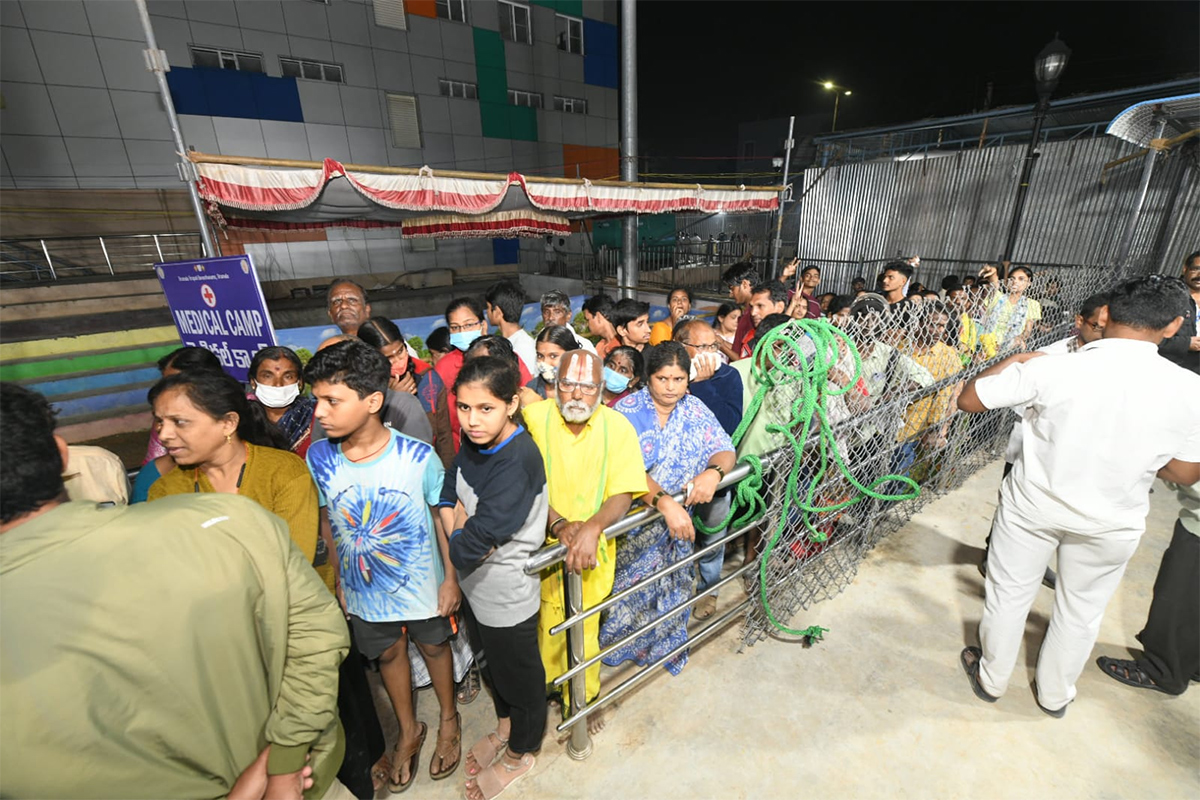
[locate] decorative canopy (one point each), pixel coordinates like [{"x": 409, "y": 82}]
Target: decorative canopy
[
  {"x": 1138, "y": 123},
  {"x": 274, "y": 194}
]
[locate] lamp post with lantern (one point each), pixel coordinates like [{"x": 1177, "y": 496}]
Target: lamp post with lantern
[{"x": 1047, "y": 69}]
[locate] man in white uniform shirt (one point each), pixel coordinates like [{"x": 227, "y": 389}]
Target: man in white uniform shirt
[{"x": 1096, "y": 432}]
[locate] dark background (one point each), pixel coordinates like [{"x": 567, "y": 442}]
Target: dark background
[{"x": 706, "y": 65}]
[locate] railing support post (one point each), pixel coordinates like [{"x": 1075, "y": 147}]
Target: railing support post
[
  {"x": 49, "y": 263},
  {"x": 107, "y": 260},
  {"x": 580, "y": 745}
]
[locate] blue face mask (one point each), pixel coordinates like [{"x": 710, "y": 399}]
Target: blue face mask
[
  {"x": 614, "y": 381},
  {"x": 462, "y": 340}
]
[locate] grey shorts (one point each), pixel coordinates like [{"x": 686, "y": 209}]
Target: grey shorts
[{"x": 373, "y": 638}]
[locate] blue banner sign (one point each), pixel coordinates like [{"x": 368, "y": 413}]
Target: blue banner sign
[{"x": 218, "y": 304}]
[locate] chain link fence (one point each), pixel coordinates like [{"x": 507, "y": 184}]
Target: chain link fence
[{"x": 895, "y": 432}]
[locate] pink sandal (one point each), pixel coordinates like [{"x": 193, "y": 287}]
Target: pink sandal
[
  {"x": 492, "y": 782},
  {"x": 484, "y": 752}
]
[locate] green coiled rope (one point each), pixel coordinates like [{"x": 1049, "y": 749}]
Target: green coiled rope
[{"x": 772, "y": 369}]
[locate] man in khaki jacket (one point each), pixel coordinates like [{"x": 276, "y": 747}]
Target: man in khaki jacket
[{"x": 182, "y": 648}]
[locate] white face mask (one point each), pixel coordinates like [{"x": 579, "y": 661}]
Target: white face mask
[
  {"x": 277, "y": 396},
  {"x": 549, "y": 372}
]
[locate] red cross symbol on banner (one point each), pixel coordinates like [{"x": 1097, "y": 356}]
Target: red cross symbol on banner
[{"x": 210, "y": 297}]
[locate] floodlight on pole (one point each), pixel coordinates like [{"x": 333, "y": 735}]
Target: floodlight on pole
[{"x": 838, "y": 93}]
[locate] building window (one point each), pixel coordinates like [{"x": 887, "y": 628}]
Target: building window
[
  {"x": 527, "y": 99},
  {"x": 312, "y": 70},
  {"x": 748, "y": 150},
  {"x": 514, "y": 22},
  {"x": 422, "y": 244},
  {"x": 390, "y": 14},
  {"x": 572, "y": 105},
  {"x": 569, "y": 33},
  {"x": 467, "y": 91},
  {"x": 211, "y": 58},
  {"x": 453, "y": 10},
  {"x": 402, "y": 119}
]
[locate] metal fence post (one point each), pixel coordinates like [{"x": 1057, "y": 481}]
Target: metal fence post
[
  {"x": 580, "y": 745},
  {"x": 158, "y": 248}
]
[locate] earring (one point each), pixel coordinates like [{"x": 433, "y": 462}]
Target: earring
[{"x": 229, "y": 438}]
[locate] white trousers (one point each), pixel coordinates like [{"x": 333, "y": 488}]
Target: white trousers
[{"x": 1089, "y": 570}]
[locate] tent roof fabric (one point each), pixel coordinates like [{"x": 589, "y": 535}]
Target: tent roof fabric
[{"x": 270, "y": 193}]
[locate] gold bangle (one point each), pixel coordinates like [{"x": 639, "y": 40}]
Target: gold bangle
[
  {"x": 719, "y": 471},
  {"x": 654, "y": 502},
  {"x": 554, "y": 524}
]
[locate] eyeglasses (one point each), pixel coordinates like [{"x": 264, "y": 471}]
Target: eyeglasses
[
  {"x": 571, "y": 386},
  {"x": 466, "y": 326},
  {"x": 703, "y": 348},
  {"x": 351, "y": 300}
]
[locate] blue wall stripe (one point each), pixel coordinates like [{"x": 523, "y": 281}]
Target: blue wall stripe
[
  {"x": 86, "y": 383},
  {"x": 101, "y": 402},
  {"x": 232, "y": 93}
]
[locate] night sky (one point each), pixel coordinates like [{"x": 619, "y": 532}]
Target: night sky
[{"x": 705, "y": 66}]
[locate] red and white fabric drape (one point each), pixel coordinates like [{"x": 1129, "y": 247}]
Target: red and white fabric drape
[{"x": 428, "y": 204}]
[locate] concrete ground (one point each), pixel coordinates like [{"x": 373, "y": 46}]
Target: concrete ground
[{"x": 881, "y": 707}]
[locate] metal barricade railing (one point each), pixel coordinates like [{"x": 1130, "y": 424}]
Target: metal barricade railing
[
  {"x": 580, "y": 744},
  {"x": 905, "y": 419},
  {"x": 57, "y": 258}
]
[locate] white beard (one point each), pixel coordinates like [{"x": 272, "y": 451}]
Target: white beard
[{"x": 577, "y": 411}]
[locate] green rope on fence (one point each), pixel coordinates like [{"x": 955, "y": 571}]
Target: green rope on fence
[{"x": 771, "y": 370}]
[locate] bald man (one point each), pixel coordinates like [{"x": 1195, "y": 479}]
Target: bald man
[{"x": 593, "y": 473}]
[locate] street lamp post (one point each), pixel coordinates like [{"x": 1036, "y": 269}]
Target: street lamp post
[
  {"x": 1047, "y": 69},
  {"x": 838, "y": 93}
]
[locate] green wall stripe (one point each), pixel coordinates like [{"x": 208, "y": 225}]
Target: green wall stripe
[
  {"x": 65, "y": 366},
  {"x": 572, "y": 8}
]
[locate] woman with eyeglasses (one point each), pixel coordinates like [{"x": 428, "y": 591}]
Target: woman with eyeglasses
[{"x": 686, "y": 451}]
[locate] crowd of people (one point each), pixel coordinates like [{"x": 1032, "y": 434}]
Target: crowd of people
[{"x": 372, "y": 507}]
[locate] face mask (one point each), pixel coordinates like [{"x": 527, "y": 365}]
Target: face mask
[
  {"x": 462, "y": 340},
  {"x": 614, "y": 381},
  {"x": 549, "y": 372},
  {"x": 277, "y": 396}
]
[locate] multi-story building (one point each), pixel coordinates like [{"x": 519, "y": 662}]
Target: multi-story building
[{"x": 481, "y": 85}]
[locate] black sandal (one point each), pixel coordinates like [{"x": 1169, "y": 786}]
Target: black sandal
[
  {"x": 1128, "y": 672},
  {"x": 971, "y": 667}
]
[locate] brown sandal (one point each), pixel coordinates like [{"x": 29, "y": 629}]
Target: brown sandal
[
  {"x": 440, "y": 754},
  {"x": 381, "y": 772},
  {"x": 413, "y": 758}
]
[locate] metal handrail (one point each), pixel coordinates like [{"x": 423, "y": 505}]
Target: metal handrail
[
  {"x": 92, "y": 255},
  {"x": 580, "y": 744},
  {"x": 554, "y": 554}
]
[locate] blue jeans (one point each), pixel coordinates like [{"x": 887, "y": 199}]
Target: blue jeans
[{"x": 711, "y": 513}]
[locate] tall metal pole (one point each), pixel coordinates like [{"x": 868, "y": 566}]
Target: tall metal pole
[
  {"x": 627, "y": 276},
  {"x": 837, "y": 97},
  {"x": 787, "y": 163},
  {"x": 1014, "y": 224},
  {"x": 156, "y": 62},
  {"x": 1143, "y": 188}
]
